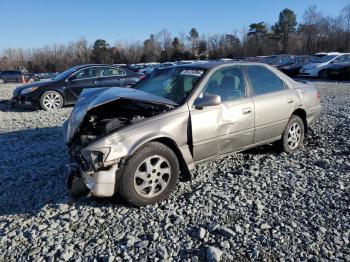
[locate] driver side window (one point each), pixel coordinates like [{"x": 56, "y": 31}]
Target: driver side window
[
  {"x": 227, "y": 82},
  {"x": 85, "y": 73}
]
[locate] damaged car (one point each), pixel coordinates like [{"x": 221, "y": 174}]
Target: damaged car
[{"x": 137, "y": 141}]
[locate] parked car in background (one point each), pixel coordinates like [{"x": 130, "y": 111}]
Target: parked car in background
[
  {"x": 280, "y": 60},
  {"x": 339, "y": 71},
  {"x": 15, "y": 76},
  {"x": 167, "y": 64},
  {"x": 322, "y": 54},
  {"x": 66, "y": 87},
  {"x": 293, "y": 67},
  {"x": 319, "y": 67},
  {"x": 136, "y": 141}
]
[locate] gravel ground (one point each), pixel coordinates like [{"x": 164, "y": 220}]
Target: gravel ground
[{"x": 255, "y": 205}]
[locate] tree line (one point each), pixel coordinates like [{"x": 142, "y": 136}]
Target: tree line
[{"x": 315, "y": 33}]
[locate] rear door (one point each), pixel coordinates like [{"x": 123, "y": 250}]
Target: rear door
[
  {"x": 111, "y": 76},
  {"x": 274, "y": 102},
  {"x": 226, "y": 127},
  {"x": 84, "y": 78}
]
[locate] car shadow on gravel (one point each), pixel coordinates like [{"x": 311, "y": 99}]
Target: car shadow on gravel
[
  {"x": 31, "y": 172},
  {"x": 5, "y": 106}
]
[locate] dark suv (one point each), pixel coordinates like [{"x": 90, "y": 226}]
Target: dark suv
[{"x": 17, "y": 76}]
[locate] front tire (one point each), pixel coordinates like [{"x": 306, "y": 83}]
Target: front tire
[
  {"x": 51, "y": 100},
  {"x": 150, "y": 175},
  {"x": 293, "y": 135},
  {"x": 323, "y": 74}
]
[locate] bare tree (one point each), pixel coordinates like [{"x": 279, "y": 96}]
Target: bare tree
[{"x": 345, "y": 16}]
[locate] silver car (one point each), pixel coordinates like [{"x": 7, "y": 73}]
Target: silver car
[{"x": 138, "y": 141}]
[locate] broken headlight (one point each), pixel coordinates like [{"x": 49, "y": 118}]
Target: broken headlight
[{"x": 96, "y": 157}]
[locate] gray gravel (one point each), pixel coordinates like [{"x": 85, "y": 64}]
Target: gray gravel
[{"x": 255, "y": 205}]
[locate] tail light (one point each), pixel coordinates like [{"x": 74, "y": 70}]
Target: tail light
[
  {"x": 318, "y": 95},
  {"x": 142, "y": 76}
]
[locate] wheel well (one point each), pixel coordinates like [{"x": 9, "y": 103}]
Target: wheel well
[
  {"x": 53, "y": 91},
  {"x": 302, "y": 114},
  {"x": 185, "y": 172}
]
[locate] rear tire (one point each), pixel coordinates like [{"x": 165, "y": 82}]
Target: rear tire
[
  {"x": 150, "y": 175},
  {"x": 293, "y": 135},
  {"x": 2, "y": 81}
]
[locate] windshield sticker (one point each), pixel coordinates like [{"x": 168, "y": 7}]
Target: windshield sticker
[{"x": 192, "y": 72}]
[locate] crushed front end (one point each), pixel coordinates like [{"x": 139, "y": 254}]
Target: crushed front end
[{"x": 95, "y": 146}]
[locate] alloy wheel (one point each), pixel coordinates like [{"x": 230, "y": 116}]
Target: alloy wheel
[
  {"x": 294, "y": 135},
  {"x": 152, "y": 176},
  {"x": 52, "y": 101}
]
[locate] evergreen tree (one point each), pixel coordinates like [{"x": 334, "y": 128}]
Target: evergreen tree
[
  {"x": 100, "y": 51},
  {"x": 286, "y": 24},
  {"x": 193, "y": 38},
  {"x": 257, "y": 30}
]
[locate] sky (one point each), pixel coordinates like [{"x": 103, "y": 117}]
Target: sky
[{"x": 37, "y": 23}]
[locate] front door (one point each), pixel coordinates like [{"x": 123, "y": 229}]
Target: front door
[
  {"x": 85, "y": 78},
  {"x": 228, "y": 126}
]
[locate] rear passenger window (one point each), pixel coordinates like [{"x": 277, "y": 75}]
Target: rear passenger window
[
  {"x": 263, "y": 81},
  {"x": 111, "y": 71}
]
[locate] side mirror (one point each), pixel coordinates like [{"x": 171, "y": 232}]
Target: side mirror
[
  {"x": 207, "y": 100},
  {"x": 70, "y": 78}
]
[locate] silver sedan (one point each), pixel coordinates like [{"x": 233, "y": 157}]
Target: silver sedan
[{"x": 138, "y": 141}]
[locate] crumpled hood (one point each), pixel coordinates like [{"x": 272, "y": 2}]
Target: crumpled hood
[{"x": 94, "y": 97}]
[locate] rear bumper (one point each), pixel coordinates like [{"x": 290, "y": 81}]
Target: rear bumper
[{"x": 313, "y": 113}]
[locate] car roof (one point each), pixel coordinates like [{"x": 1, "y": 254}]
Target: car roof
[
  {"x": 211, "y": 65},
  {"x": 87, "y": 65}
]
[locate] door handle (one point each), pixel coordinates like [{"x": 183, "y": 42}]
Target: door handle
[
  {"x": 290, "y": 100},
  {"x": 246, "y": 110},
  {"x": 95, "y": 82}
]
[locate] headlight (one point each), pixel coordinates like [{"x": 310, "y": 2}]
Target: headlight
[
  {"x": 29, "y": 90},
  {"x": 96, "y": 157}
]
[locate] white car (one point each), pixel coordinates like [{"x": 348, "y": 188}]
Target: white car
[{"x": 316, "y": 69}]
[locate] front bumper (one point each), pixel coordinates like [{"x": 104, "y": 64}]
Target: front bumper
[
  {"x": 309, "y": 72},
  {"x": 101, "y": 183},
  {"x": 24, "y": 100}
]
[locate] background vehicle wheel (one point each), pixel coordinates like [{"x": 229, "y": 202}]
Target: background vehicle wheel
[
  {"x": 31, "y": 80},
  {"x": 2, "y": 81},
  {"x": 293, "y": 135},
  {"x": 150, "y": 175},
  {"x": 51, "y": 100},
  {"x": 323, "y": 74}
]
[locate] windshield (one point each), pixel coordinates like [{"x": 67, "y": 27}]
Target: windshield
[
  {"x": 172, "y": 83},
  {"x": 65, "y": 74},
  {"x": 326, "y": 58}
]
